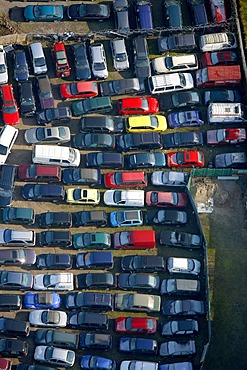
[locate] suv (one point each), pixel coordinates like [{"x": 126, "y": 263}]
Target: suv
[
  {"x": 8, "y": 135},
  {"x": 177, "y": 63},
  {"x": 10, "y": 302},
  {"x": 27, "y": 101},
  {"x": 141, "y": 58},
  {"x": 217, "y": 41},
  {"x": 170, "y": 82},
  {"x": 44, "y": 91},
  {"x": 98, "y": 61},
  {"x": 13, "y": 347},
  {"x": 14, "y": 327},
  {"x": 177, "y": 42}
]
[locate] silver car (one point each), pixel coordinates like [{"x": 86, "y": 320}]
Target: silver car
[
  {"x": 183, "y": 265},
  {"x": 49, "y": 318},
  {"x": 41, "y": 135},
  {"x": 119, "y": 55},
  {"x": 53, "y": 355},
  {"x": 169, "y": 178}
]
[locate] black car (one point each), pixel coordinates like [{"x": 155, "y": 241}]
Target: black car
[
  {"x": 14, "y": 327},
  {"x": 139, "y": 282},
  {"x": 98, "y": 280},
  {"x": 173, "y": 238},
  {"x": 90, "y": 218},
  {"x": 54, "y": 261},
  {"x": 180, "y": 99},
  {"x": 88, "y": 320},
  {"x": 173, "y": 11},
  {"x": 54, "y": 219},
  {"x": 179, "y": 327},
  {"x": 54, "y": 115},
  {"x": 88, "y": 11},
  {"x": 177, "y": 41},
  {"x": 95, "y": 341},
  {"x": 18, "y": 215},
  {"x": 166, "y": 217},
  {"x": 143, "y": 263},
  {"x": 93, "y": 141},
  {"x": 199, "y": 13},
  {"x": 21, "y": 71},
  {"x": 142, "y": 65},
  {"x": 139, "y": 346},
  {"x": 35, "y": 367},
  {"x": 81, "y": 176},
  {"x": 105, "y": 124},
  {"x": 94, "y": 260},
  {"x": 13, "y": 348},
  {"x": 89, "y": 301},
  {"x": 43, "y": 192},
  {"x": 139, "y": 141},
  {"x": 105, "y": 160},
  {"x": 121, "y": 87},
  {"x": 146, "y": 160},
  {"x": 56, "y": 338},
  {"x": 121, "y": 14},
  {"x": 223, "y": 95},
  {"x": 10, "y": 302},
  {"x": 15, "y": 280},
  {"x": 82, "y": 67},
  {"x": 183, "y": 307},
  {"x": 27, "y": 100},
  {"x": 182, "y": 139},
  {"x": 54, "y": 238}
]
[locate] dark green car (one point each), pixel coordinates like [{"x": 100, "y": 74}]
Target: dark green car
[
  {"x": 16, "y": 215},
  {"x": 91, "y": 105},
  {"x": 96, "y": 240}
]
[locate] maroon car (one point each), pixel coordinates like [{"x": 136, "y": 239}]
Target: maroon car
[
  {"x": 166, "y": 199},
  {"x": 38, "y": 172}
]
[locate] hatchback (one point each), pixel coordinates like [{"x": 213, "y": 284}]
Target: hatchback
[
  {"x": 179, "y": 327},
  {"x": 125, "y": 179},
  {"x": 146, "y": 124},
  {"x": 92, "y": 240},
  {"x": 139, "y": 346},
  {"x": 92, "y": 105},
  {"x": 166, "y": 217},
  {"x": 142, "y": 67},
  {"x": 60, "y": 58},
  {"x": 4, "y": 66},
  {"x": 225, "y": 57},
  {"x": 121, "y": 15},
  {"x": 54, "y": 219},
  {"x": 83, "y": 196},
  {"x": 146, "y": 160},
  {"x": 136, "y": 105},
  {"x": 95, "y": 280},
  {"x": 54, "y": 355},
  {"x": 43, "y": 13},
  {"x": 183, "y": 265},
  {"x": 173, "y": 11},
  {"x": 95, "y": 341},
  {"x": 126, "y": 218},
  {"x": 94, "y": 260},
  {"x": 89, "y": 218},
  {"x": 88, "y": 11},
  {"x": 39, "y": 173},
  {"x": 54, "y": 261},
  {"x": 82, "y": 67},
  {"x": 93, "y": 141},
  {"x": 98, "y": 61},
  {"x": 45, "y": 92},
  {"x": 8, "y": 136},
  {"x": 50, "y": 238},
  {"x": 136, "y": 325},
  {"x": 185, "y": 159},
  {"x": 127, "y": 86},
  {"x": 81, "y": 176},
  {"x": 44, "y": 192},
  {"x": 169, "y": 178},
  {"x": 177, "y": 348},
  {"x": 90, "y": 362},
  {"x": 17, "y": 215},
  {"x": 79, "y": 90},
  {"x": 185, "y": 119},
  {"x": 26, "y": 99},
  {"x": 166, "y": 199}
]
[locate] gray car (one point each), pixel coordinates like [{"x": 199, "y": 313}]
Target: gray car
[
  {"x": 41, "y": 135},
  {"x": 15, "y": 280},
  {"x": 183, "y": 265},
  {"x": 121, "y": 13},
  {"x": 119, "y": 54},
  {"x": 169, "y": 178},
  {"x": 121, "y": 87},
  {"x": 175, "y": 348}
]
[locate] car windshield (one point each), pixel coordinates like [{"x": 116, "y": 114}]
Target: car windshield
[
  {"x": 47, "y": 280},
  {"x": 61, "y": 57},
  {"x": 76, "y": 174},
  {"x": 144, "y": 103},
  {"x": 99, "y": 66},
  {"x": 37, "y": 11},
  {"x": 39, "y": 62},
  {"x": 180, "y": 157},
  {"x": 3, "y": 68},
  {"x": 40, "y": 133},
  {"x": 48, "y": 353},
  {"x": 77, "y": 194},
  {"x": 87, "y": 259},
  {"x": 9, "y": 110},
  {"x": 3, "y": 149},
  {"x": 121, "y": 57},
  {"x": 120, "y": 217},
  {"x": 21, "y": 68},
  {"x": 154, "y": 121},
  {"x": 182, "y": 79},
  {"x": 117, "y": 196}
]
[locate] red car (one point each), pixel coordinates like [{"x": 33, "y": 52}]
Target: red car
[
  {"x": 166, "y": 199},
  {"x": 218, "y": 10},
  {"x": 140, "y": 105},
  {"x": 219, "y": 58},
  {"x": 226, "y": 136},
  {"x": 118, "y": 180},
  {"x": 79, "y": 90},
  {"x": 185, "y": 159},
  {"x": 136, "y": 325},
  {"x": 61, "y": 60},
  {"x": 39, "y": 172},
  {"x": 9, "y": 106}
]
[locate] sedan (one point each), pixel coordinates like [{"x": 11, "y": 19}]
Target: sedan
[
  {"x": 83, "y": 196},
  {"x": 176, "y": 348},
  {"x": 183, "y": 265},
  {"x": 43, "y": 13},
  {"x": 136, "y": 364},
  {"x": 17, "y": 257},
  {"x": 53, "y": 355},
  {"x": 89, "y": 301},
  {"x": 95, "y": 341},
  {"x": 169, "y": 178},
  {"x": 139, "y": 141},
  {"x": 166, "y": 199},
  {"x": 58, "y": 281},
  {"x": 142, "y": 105},
  {"x": 172, "y": 238},
  {"x": 190, "y": 118},
  {"x": 181, "y": 327},
  {"x": 126, "y": 86},
  {"x": 44, "y": 192},
  {"x": 105, "y": 160},
  {"x": 136, "y": 325},
  {"x": 143, "y": 263},
  {"x": 54, "y": 261},
  {"x": 146, "y": 160},
  {"x": 139, "y": 282},
  {"x": 80, "y": 12},
  {"x": 51, "y": 135},
  {"x": 42, "y": 300},
  {"x": 88, "y": 320},
  {"x": 93, "y": 141},
  {"x": 89, "y": 362},
  {"x": 21, "y": 72},
  {"x": 179, "y": 100},
  {"x": 137, "y": 302},
  {"x": 54, "y": 319},
  {"x": 139, "y": 346},
  {"x": 104, "y": 124},
  {"x": 182, "y": 139},
  {"x": 79, "y": 90},
  {"x": 95, "y": 280},
  {"x": 185, "y": 307},
  {"x": 231, "y": 136},
  {"x": 223, "y": 95},
  {"x": 185, "y": 159},
  {"x": 15, "y": 280},
  {"x": 92, "y": 240},
  {"x": 54, "y": 115},
  {"x": 231, "y": 160},
  {"x": 82, "y": 67},
  {"x": 166, "y": 217},
  {"x": 225, "y": 57}
]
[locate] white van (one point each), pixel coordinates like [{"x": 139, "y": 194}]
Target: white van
[
  {"x": 8, "y": 135},
  {"x": 226, "y": 113},
  {"x": 56, "y": 155},
  {"x": 124, "y": 198},
  {"x": 170, "y": 82},
  {"x": 217, "y": 41},
  {"x": 38, "y": 58}
]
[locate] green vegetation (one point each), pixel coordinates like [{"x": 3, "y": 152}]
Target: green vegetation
[{"x": 243, "y": 16}]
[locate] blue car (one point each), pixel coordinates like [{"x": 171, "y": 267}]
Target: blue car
[
  {"x": 138, "y": 345},
  {"x": 126, "y": 218},
  {"x": 21, "y": 72},
  {"x": 143, "y": 14},
  {"x": 42, "y": 300},
  {"x": 185, "y": 119},
  {"x": 89, "y": 362},
  {"x": 43, "y": 13}
]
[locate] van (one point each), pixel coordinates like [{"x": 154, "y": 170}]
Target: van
[
  {"x": 217, "y": 41},
  {"x": 10, "y": 302},
  {"x": 226, "y": 113},
  {"x": 38, "y": 58},
  {"x": 27, "y": 100},
  {"x": 8, "y": 135},
  {"x": 180, "y": 286},
  {"x": 136, "y": 239},
  {"x": 218, "y": 76},
  {"x": 170, "y": 82},
  {"x": 56, "y": 155}
]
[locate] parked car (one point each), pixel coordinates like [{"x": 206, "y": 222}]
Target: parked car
[
  {"x": 182, "y": 139},
  {"x": 54, "y": 261},
  {"x": 176, "y": 365},
  {"x": 177, "y": 42},
  {"x": 80, "y": 12},
  {"x": 79, "y": 90},
  {"x": 95, "y": 280},
  {"x": 146, "y": 124},
  {"x": 4, "y": 66},
  {"x": 55, "y": 219},
  {"x": 179, "y": 63},
  {"x": 17, "y": 257},
  {"x": 13, "y": 347},
  {"x": 50, "y": 355},
  {"x": 88, "y": 320},
  {"x": 138, "y": 281},
  {"x": 125, "y": 179},
  {"x": 60, "y": 58},
  {"x": 9, "y": 106},
  {"x": 142, "y": 67},
  {"x": 173, "y": 12},
  {"x": 231, "y": 160},
  {"x": 121, "y": 15},
  {"x": 14, "y": 327},
  {"x": 26, "y": 99},
  {"x": 139, "y": 346},
  {"x": 91, "y": 105},
  {"x": 89, "y": 301},
  {"x": 126, "y": 218},
  {"x": 92, "y": 240},
  {"x": 83, "y": 196},
  {"x": 185, "y": 119},
  {"x": 56, "y": 281},
  {"x": 45, "y": 94},
  {"x": 139, "y": 141},
  {"x": 82, "y": 67},
  {"x": 217, "y": 41},
  {"x": 177, "y": 348},
  {"x": 95, "y": 341},
  {"x": 10, "y": 302},
  {"x": 5, "y": 364},
  {"x": 101, "y": 123},
  {"x": 130, "y": 86},
  {"x": 39, "y": 173},
  {"x": 231, "y": 136},
  {"x": 94, "y": 141},
  {"x": 90, "y": 362},
  {"x": 98, "y": 61},
  {"x": 18, "y": 238},
  {"x": 134, "y": 364},
  {"x": 166, "y": 217},
  {"x": 43, "y": 13},
  {"x": 199, "y": 17},
  {"x": 89, "y": 218},
  {"x": 136, "y": 325},
  {"x": 185, "y": 307},
  {"x": 53, "y": 135},
  {"x": 183, "y": 265},
  {"x": 179, "y": 327},
  {"x": 35, "y": 367},
  {"x": 169, "y": 178},
  {"x": 136, "y": 263},
  {"x": 218, "y": 10},
  {"x": 137, "y": 302},
  {"x": 21, "y": 71},
  {"x": 224, "y": 57},
  {"x": 180, "y": 99},
  {"x": 182, "y": 239},
  {"x": 94, "y": 260},
  {"x": 81, "y": 176},
  {"x": 42, "y": 300},
  {"x": 119, "y": 54},
  {"x": 166, "y": 199},
  {"x": 54, "y": 115},
  {"x": 56, "y": 338},
  {"x": 138, "y": 105},
  {"x": 222, "y": 95},
  {"x": 134, "y": 239},
  {"x": 15, "y": 280},
  {"x": 124, "y": 198},
  {"x": 185, "y": 159},
  {"x": 48, "y": 318},
  {"x": 146, "y": 160},
  {"x": 105, "y": 160},
  {"x": 43, "y": 192},
  {"x": 143, "y": 14},
  {"x": 18, "y": 215},
  {"x": 52, "y": 238}
]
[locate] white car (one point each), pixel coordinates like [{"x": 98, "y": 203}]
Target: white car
[
  {"x": 59, "y": 281},
  {"x": 3, "y": 66},
  {"x": 183, "y": 265},
  {"x": 119, "y": 55},
  {"x": 124, "y": 198},
  {"x": 217, "y": 41},
  {"x": 178, "y": 63},
  {"x": 8, "y": 135},
  {"x": 169, "y": 178},
  {"x": 53, "y": 355},
  {"x": 22, "y": 238},
  {"x": 98, "y": 61},
  {"x": 138, "y": 365},
  {"x": 53, "y": 135},
  {"x": 48, "y": 318}
]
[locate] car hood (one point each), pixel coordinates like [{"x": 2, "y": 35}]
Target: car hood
[{"x": 143, "y": 72}]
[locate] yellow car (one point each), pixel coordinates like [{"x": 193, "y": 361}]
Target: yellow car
[
  {"x": 83, "y": 196},
  {"x": 146, "y": 123}
]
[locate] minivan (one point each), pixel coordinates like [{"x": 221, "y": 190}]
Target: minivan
[
  {"x": 226, "y": 113},
  {"x": 56, "y": 155},
  {"x": 180, "y": 286},
  {"x": 38, "y": 58}
]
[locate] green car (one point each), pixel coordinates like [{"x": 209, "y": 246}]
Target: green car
[
  {"x": 19, "y": 216},
  {"x": 91, "y": 105},
  {"x": 92, "y": 240}
]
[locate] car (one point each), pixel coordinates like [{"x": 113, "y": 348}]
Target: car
[
  {"x": 13, "y": 347},
  {"x": 217, "y": 41},
  {"x": 142, "y": 67},
  {"x": 183, "y": 265},
  {"x": 180, "y": 99},
  {"x": 54, "y": 115},
  {"x": 91, "y": 141},
  {"x": 80, "y": 12},
  {"x": 35, "y": 367},
  {"x": 14, "y": 327},
  {"x": 182, "y": 239},
  {"x": 185, "y": 159},
  {"x": 177, "y": 42},
  {"x": 53, "y": 135},
  {"x": 45, "y": 94},
  {"x": 146, "y": 160},
  {"x": 222, "y": 95},
  {"x": 169, "y": 82},
  {"x": 143, "y": 14},
  {"x": 139, "y": 141},
  {"x": 218, "y": 10},
  {"x": 43, "y": 192},
  {"x": 60, "y": 58},
  {"x": 56, "y": 338},
  {"x": 88, "y": 320},
  {"x": 26, "y": 99},
  {"x": 89, "y": 218},
  {"x": 18, "y": 238},
  {"x": 187, "y": 365},
  {"x": 166, "y": 217},
  {"x": 42, "y": 300},
  {"x": 182, "y": 139},
  {"x": 79, "y": 90},
  {"x": 146, "y": 124},
  {"x": 177, "y": 348},
  {"x": 92, "y": 240},
  {"x": 15, "y": 280},
  {"x": 98, "y": 280},
  {"x": 9, "y": 106},
  {"x": 3, "y": 66},
  {"x": 142, "y": 263},
  {"x": 179, "y": 63},
  {"x": 50, "y": 355},
  {"x": 52, "y": 238},
  {"x": 49, "y": 318},
  {"x": 56, "y": 281},
  {"x": 166, "y": 199},
  {"x": 138, "y": 281},
  {"x": 54, "y": 219},
  {"x": 183, "y": 307},
  {"x": 17, "y": 257},
  {"x": 91, "y": 362},
  {"x": 125, "y": 179},
  {"x": 169, "y": 178},
  {"x": 124, "y": 198},
  {"x": 130, "y": 86},
  {"x": 138, "y": 105},
  {"x": 82, "y": 67},
  {"x": 126, "y": 218},
  {"x": 136, "y": 325},
  {"x": 89, "y": 301},
  {"x": 21, "y": 70},
  {"x": 199, "y": 15},
  {"x": 83, "y": 196},
  {"x": 225, "y": 57},
  {"x": 91, "y": 105},
  {"x": 134, "y": 365},
  {"x": 54, "y": 261},
  {"x": 94, "y": 260},
  {"x": 138, "y": 346},
  {"x": 39, "y": 173},
  {"x": 95, "y": 341},
  {"x": 189, "y": 118},
  {"x": 43, "y": 13},
  {"x": 173, "y": 14},
  {"x": 18, "y": 215},
  {"x": 137, "y": 302},
  {"x": 8, "y": 136},
  {"x": 81, "y": 176},
  {"x": 121, "y": 15},
  {"x": 231, "y": 160},
  {"x": 223, "y": 136},
  {"x": 104, "y": 124},
  {"x": 105, "y": 160},
  {"x": 179, "y": 327},
  {"x": 98, "y": 61},
  {"x": 119, "y": 54}
]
